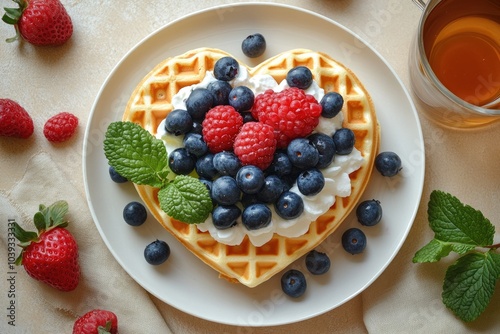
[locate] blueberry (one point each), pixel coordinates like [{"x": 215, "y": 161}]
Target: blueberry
[
  {"x": 224, "y": 216},
  {"x": 310, "y": 182},
  {"x": 331, "y": 104},
  {"x": 247, "y": 199},
  {"x": 302, "y": 153},
  {"x": 272, "y": 189},
  {"x": 344, "y": 141},
  {"x": 241, "y": 98},
  {"x": 157, "y": 252},
  {"x": 250, "y": 179},
  {"x": 326, "y": 148},
  {"x": 254, "y": 45},
  {"x": 225, "y": 191},
  {"x": 291, "y": 178},
  {"x": 226, "y": 69},
  {"x": 256, "y": 216},
  {"x": 248, "y": 117},
  {"x": 207, "y": 183},
  {"x": 354, "y": 240},
  {"x": 281, "y": 164},
  {"x": 300, "y": 77},
  {"x": 181, "y": 162},
  {"x": 220, "y": 90},
  {"x": 197, "y": 128},
  {"x": 199, "y": 103},
  {"x": 293, "y": 283},
  {"x": 115, "y": 176},
  {"x": 178, "y": 122},
  {"x": 289, "y": 205},
  {"x": 194, "y": 144},
  {"x": 227, "y": 163},
  {"x": 388, "y": 163},
  {"x": 205, "y": 166},
  {"x": 317, "y": 263},
  {"x": 369, "y": 212},
  {"x": 135, "y": 214}
]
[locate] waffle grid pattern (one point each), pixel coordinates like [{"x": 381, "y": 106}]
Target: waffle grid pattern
[{"x": 246, "y": 263}]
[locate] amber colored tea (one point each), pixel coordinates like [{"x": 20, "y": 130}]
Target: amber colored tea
[{"x": 462, "y": 44}]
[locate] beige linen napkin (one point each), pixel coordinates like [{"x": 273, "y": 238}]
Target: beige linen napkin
[{"x": 104, "y": 284}]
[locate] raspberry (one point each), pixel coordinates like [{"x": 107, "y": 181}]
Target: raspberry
[
  {"x": 14, "y": 120},
  {"x": 292, "y": 113},
  {"x": 255, "y": 144},
  {"x": 60, "y": 127},
  {"x": 220, "y": 127}
]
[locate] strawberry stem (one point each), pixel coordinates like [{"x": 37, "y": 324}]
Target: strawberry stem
[{"x": 12, "y": 16}]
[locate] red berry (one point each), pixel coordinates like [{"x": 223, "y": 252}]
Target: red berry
[
  {"x": 53, "y": 259},
  {"x": 50, "y": 255},
  {"x": 292, "y": 113},
  {"x": 220, "y": 127},
  {"x": 41, "y": 22},
  {"x": 255, "y": 144},
  {"x": 90, "y": 322},
  {"x": 60, "y": 127},
  {"x": 14, "y": 120}
]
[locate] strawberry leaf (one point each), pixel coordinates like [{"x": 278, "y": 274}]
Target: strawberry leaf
[
  {"x": 39, "y": 220},
  {"x": 55, "y": 214},
  {"x": 22, "y": 235}
]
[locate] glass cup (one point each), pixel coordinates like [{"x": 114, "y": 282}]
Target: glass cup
[{"x": 454, "y": 62}]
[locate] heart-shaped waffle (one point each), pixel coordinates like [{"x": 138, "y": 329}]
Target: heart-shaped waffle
[{"x": 245, "y": 263}]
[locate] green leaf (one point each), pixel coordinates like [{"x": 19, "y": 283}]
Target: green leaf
[
  {"x": 457, "y": 223},
  {"x": 39, "y": 220},
  {"x": 22, "y": 235},
  {"x": 186, "y": 199},
  {"x": 469, "y": 284},
  {"x": 136, "y": 154},
  {"x": 51, "y": 216},
  {"x": 432, "y": 252}
]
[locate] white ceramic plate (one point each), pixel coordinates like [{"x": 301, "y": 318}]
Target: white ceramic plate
[{"x": 184, "y": 281}]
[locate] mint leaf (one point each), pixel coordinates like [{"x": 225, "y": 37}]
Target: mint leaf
[
  {"x": 432, "y": 252},
  {"x": 186, "y": 199},
  {"x": 469, "y": 284},
  {"x": 136, "y": 154},
  {"x": 457, "y": 223}
]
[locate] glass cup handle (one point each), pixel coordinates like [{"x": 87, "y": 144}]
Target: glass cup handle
[{"x": 420, "y": 3}]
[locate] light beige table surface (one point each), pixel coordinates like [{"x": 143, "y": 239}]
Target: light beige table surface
[{"x": 404, "y": 299}]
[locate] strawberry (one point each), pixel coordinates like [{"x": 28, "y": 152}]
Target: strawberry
[
  {"x": 96, "y": 322},
  {"x": 60, "y": 127},
  {"x": 51, "y": 255},
  {"x": 40, "y": 22},
  {"x": 14, "y": 120}
]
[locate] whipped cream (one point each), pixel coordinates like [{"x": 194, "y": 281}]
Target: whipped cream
[{"x": 337, "y": 181}]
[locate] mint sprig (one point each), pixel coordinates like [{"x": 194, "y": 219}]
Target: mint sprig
[
  {"x": 469, "y": 283},
  {"x": 135, "y": 154}
]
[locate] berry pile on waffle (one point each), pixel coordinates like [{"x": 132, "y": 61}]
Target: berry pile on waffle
[{"x": 251, "y": 260}]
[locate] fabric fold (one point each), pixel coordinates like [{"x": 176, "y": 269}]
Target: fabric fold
[{"x": 104, "y": 284}]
